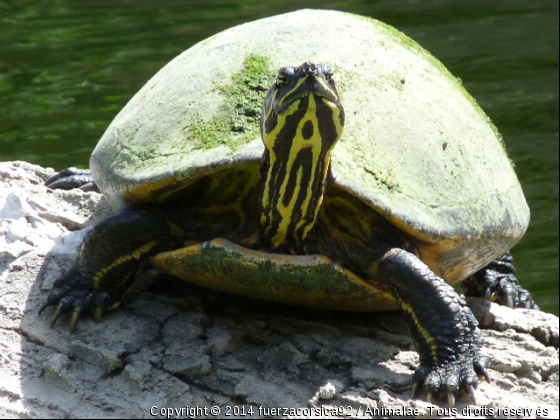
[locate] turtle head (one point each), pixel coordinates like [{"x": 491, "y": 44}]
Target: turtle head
[
  {"x": 302, "y": 120},
  {"x": 297, "y": 90}
]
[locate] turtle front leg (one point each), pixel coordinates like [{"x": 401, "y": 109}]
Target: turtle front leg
[
  {"x": 497, "y": 283},
  {"x": 444, "y": 329},
  {"x": 107, "y": 260}
]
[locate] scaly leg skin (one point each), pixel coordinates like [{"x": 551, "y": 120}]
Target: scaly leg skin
[
  {"x": 444, "y": 329},
  {"x": 497, "y": 283},
  {"x": 107, "y": 260},
  {"x": 72, "y": 178}
]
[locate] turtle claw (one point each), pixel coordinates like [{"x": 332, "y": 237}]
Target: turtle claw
[
  {"x": 497, "y": 283},
  {"x": 471, "y": 393},
  {"x": 98, "y": 314},
  {"x": 45, "y": 306},
  {"x": 450, "y": 380},
  {"x": 69, "y": 294},
  {"x": 509, "y": 301},
  {"x": 415, "y": 387},
  {"x": 451, "y": 400},
  {"x": 77, "y": 306},
  {"x": 75, "y": 318},
  {"x": 65, "y": 305},
  {"x": 55, "y": 296},
  {"x": 59, "y": 311},
  {"x": 481, "y": 369},
  {"x": 430, "y": 397}
]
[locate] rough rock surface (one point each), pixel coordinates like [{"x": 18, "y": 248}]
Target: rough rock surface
[{"x": 178, "y": 346}]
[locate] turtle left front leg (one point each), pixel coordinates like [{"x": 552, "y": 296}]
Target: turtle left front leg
[
  {"x": 108, "y": 257},
  {"x": 444, "y": 329}
]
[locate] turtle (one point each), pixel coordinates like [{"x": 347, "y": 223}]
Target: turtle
[{"x": 386, "y": 202}]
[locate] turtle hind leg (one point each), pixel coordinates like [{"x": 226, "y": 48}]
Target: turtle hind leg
[
  {"x": 444, "y": 329},
  {"x": 107, "y": 259},
  {"x": 71, "y": 178},
  {"x": 497, "y": 283}
]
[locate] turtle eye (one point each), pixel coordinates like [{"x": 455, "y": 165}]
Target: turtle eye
[
  {"x": 282, "y": 80},
  {"x": 327, "y": 72},
  {"x": 284, "y": 76}
]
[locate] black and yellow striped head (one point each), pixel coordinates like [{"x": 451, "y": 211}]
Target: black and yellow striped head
[{"x": 302, "y": 120}]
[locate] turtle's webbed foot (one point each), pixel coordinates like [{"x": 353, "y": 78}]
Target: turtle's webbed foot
[
  {"x": 71, "y": 294},
  {"x": 72, "y": 178},
  {"x": 450, "y": 379},
  {"x": 497, "y": 283}
]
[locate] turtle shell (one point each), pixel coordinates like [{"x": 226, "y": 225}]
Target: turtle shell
[{"x": 416, "y": 147}]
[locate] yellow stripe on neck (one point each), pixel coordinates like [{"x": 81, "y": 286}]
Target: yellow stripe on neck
[
  {"x": 313, "y": 143},
  {"x": 300, "y": 143}
]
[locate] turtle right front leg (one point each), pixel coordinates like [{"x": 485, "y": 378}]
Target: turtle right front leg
[{"x": 107, "y": 260}]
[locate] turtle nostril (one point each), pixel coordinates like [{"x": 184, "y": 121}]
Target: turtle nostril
[{"x": 309, "y": 68}]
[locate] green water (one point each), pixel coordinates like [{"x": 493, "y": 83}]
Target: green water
[{"x": 68, "y": 66}]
